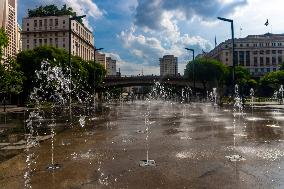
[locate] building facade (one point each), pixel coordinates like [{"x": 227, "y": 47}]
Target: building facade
[
  {"x": 259, "y": 54},
  {"x": 101, "y": 59},
  {"x": 8, "y": 21},
  {"x": 110, "y": 67},
  {"x": 169, "y": 65},
  {"x": 54, "y": 31}
]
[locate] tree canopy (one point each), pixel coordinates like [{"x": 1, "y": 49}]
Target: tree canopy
[
  {"x": 52, "y": 10},
  {"x": 82, "y": 71},
  {"x": 207, "y": 70},
  {"x": 271, "y": 82}
]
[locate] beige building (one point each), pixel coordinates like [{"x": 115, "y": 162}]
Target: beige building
[
  {"x": 19, "y": 38},
  {"x": 169, "y": 65},
  {"x": 257, "y": 53},
  {"x": 101, "y": 58},
  {"x": 8, "y": 21},
  {"x": 54, "y": 31},
  {"x": 110, "y": 66}
]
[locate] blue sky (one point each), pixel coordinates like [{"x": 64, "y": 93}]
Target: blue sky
[{"x": 138, "y": 32}]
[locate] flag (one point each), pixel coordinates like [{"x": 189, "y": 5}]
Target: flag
[{"x": 266, "y": 23}]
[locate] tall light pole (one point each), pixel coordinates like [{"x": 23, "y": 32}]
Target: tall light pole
[
  {"x": 70, "y": 64},
  {"x": 193, "y": 68},
  {"x": 95, "y": 50},
  {"x": 233, "y": 46}
]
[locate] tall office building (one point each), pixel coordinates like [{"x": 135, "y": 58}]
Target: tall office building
[
  {"x": 101, "y": 59},
  {"x": 110, "y": 66},
  {"x": 169, "y": 65},
  {"x": 54, "y": 31},
  {"x": 8, "y": 21},
  {"x": 259, "y": 54}
]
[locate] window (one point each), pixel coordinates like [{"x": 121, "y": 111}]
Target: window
[
  {"x": 40, "y": 23},
  {"x": 255, "y": 52},
  {"x": 227, "y": 53},
  {"x": 247, "y": 58},
  {"x": 241, "y": 45},
  {"x": 35, "y": 41},
  {"x": 50, "y": 22},
  {"x": 267, "y": 61},
  {"x": 261, "y": 52},
  {"x": 255, "y": 44},
  {"x": 247, "y": 44},
  {"x": 63, "y": 21},
  {"x": 267, "y": 69},
  {"x": 273, "y": 60},
  {"x": 45, "y": 41},
  {"x": 279, "y": 59},
  {"x": 261, "y": 61},
  {"x": 56, "y": 22},
  {"x": 267, "y": 44},
  {"x": 242, "y": 58},
  {"x": 35, "y": 35},
  {"x": 28, "y": 46},
  {"x": 255, "y": 61},
  {"x": 28, "y": 41},
  {"x": 35, "y": 23},
  {"x": 56, "y": 34},
  {"x": 273, "y": 51},
  {"x": 267, "y": 51},
  {"x": 261, "y": 69},
  {"x": 63, "y": 45},
  {"x": 50, "y": 40},
  {"x": 279, "y": 44},
  {"x": 279, "y": 51},
  {"x": 28, "y": 24},
  {"x": 40, "y": 42},
  {"x": 28, "y": 29},
  {"x": 274, "y": 69},
  {"x": 45, "y": 22}
]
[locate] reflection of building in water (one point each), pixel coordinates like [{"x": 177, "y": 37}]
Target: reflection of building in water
[{"x": 257, "y": 53}]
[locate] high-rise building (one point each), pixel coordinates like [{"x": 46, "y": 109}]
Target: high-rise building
[
  {"x": 259, "y": 54},
  {"x": 101, "y": 59},
  {"x": 169, "y": 65},
  {"x": 110, "y": 66},
  {"x": 54, "y": 31},
  {"x": 8, "y": 21}
]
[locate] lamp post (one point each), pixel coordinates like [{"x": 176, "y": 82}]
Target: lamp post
[
  {"x": 233, "y": 46},
  {"x": 193, "y": 69},
  {"x": 70, "y": 65},
  {"x": 95, "y": 50}
]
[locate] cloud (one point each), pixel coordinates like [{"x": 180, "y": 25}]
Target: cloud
[
  {"x": 152, "y": 13},
  {"x": 150, "y": 47}
]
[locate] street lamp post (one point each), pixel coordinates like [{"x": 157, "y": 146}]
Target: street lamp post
[
  {"x": 95, "y": 49},
  {"x": 70, "y": 65},
  {"x": 233, "y": 46},
  {"x": 193, "y": 68}
]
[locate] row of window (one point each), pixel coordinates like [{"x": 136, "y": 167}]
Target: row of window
[
  {"x": 45, "y": 22},
  {"x": 259, "y": 52},
  {"x": 273, "y": 44},
  {"x": 257, "y": 70}
]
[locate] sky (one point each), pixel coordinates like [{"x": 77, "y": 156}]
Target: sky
[{"x": 138, "y": 32}]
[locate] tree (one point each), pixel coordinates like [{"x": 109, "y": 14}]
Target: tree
[
  {"x": 11, "y": 79},
  {"x": 52, "y": 10},
  {"x": 4, "y": 40},
  {"x": 271, "y": 82},
  {"x": 82, "y": 71},
  {"x": 243, "y": 78},
  {"x": 207, "y": 70}
]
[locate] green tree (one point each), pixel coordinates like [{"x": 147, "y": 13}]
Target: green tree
[
  {"x": 82, "y": 71},
  {"x": 207, "y": 71},
  {"x": 271, "y": 82},
  {"x": 52, "y": 10},
  {"x": 11, "y": 79},
  {"x": 4, "y": 40}
]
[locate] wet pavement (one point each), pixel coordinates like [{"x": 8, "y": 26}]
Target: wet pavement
[{"x": 188, "y": 142}]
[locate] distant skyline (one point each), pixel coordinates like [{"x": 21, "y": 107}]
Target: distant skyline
[{"x": 138, "y": 33}]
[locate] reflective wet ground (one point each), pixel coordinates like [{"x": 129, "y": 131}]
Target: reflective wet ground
[{"x": 189, "y": 143}]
